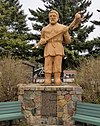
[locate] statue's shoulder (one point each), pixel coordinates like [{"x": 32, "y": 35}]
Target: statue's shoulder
[
  {"x": 61, "y": 25},
  {"x": 46, "y": 27}
]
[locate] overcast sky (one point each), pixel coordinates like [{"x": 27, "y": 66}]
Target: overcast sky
[{"x": 34, "y": 4}]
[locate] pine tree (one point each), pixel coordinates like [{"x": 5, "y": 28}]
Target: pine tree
[
  {"x": 96, "y": 22},
  {"x": 94, "y": 50},
  {"x": 13, "y": 30},
  {"x": 67, "y": 10}
]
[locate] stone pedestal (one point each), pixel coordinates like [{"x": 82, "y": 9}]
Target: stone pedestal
[{"x": 49, "y": 105}]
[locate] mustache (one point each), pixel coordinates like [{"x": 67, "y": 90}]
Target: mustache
[{"x": 52, "y": 19}]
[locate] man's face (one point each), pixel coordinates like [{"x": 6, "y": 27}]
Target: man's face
[{"x": 53, "y": 18}]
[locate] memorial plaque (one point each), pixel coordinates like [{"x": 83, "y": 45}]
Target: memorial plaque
[{"x": 49, "y": 103}]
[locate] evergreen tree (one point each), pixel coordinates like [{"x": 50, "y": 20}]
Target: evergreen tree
[
  {"x": 94, "y": 49},
  {"x": 96, "y": 22},
  {"x": 13, "y": 30},
  {"x": 67, "y": 10}
]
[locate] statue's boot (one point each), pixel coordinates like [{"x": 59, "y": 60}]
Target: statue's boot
[
  {"x": 47, "y": 79},
  {"x": 57, "y": 79}
]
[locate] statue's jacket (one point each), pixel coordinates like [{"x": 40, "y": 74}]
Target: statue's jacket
[{"x": 54, "y": 46}]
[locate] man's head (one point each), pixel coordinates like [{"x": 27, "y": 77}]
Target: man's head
[{"x": 53, "y": 17}]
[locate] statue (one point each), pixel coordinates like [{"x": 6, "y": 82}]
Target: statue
[{"x": 52, "y": 37}]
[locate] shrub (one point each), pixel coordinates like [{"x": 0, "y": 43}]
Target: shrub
[
  {"x": 12, "y": 72},
  {"x": 88, "y": 78}
]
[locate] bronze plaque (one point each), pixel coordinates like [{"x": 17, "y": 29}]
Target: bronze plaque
[{"x": 49, "y": 103}]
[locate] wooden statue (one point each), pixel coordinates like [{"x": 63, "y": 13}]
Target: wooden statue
[{"x": 52, "y": 37}]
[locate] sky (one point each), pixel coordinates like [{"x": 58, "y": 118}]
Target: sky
[{"x": 34, "y": 4}]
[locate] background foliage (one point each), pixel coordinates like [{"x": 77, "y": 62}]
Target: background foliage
[
  {"x": 88, "y": 78},
  {"x": 12, "y": 73}
]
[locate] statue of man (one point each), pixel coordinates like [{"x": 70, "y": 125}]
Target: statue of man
[{"x": 52, "y": 36}]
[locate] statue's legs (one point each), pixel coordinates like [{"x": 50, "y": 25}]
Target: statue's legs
[{"x": 53, "y": 65}]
